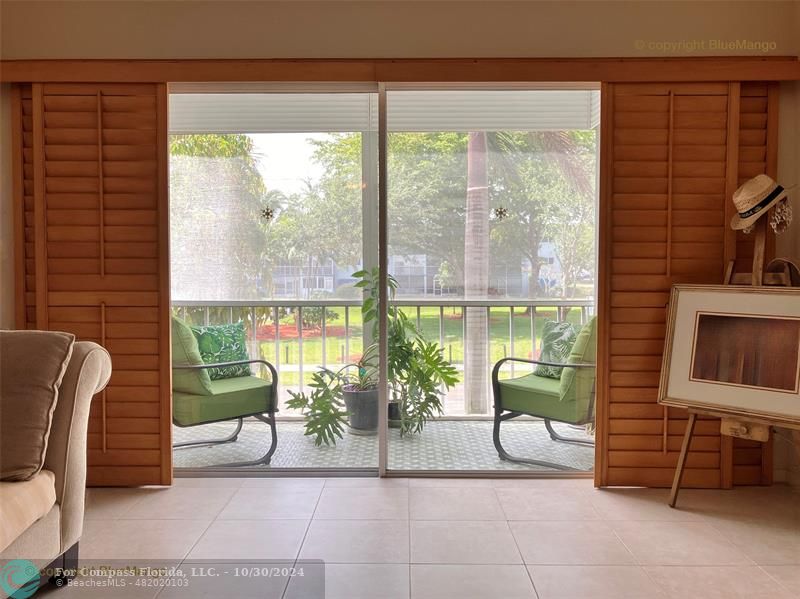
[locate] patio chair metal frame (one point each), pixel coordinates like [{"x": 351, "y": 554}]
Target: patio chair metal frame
[
  {"x": 499, "y": 416},
  {"x": 268, "y": 419}
]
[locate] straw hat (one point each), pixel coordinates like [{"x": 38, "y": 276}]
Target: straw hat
[{"x": 754, "y": 199}]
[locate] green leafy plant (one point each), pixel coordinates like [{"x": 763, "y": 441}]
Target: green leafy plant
[
  {"x": 323, "y": 407},
  {"x": 418, "y": 373}
]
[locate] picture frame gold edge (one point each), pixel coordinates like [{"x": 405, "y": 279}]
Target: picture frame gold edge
[{"x": 666, "y": 360}]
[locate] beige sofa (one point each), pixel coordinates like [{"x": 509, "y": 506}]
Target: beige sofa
[{"x": 41, "y": 519}]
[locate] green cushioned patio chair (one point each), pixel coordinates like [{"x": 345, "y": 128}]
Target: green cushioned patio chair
[
  {"x": 569, "y": 399},
  {"x": 198, "y": 400}
]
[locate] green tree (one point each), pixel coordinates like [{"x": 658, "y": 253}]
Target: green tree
[
  {"x": 545, "y": 180},
  {"x": 219, "y": 234}
]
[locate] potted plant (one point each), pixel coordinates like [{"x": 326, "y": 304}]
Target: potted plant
[
  {"x": 360, "y": 394},
  {"x": 418, "y": 373},
  {"x": 337, "y": 397},
  {"x": 418, "y": 376}
]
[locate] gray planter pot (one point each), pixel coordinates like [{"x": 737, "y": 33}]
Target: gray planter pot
[
  {"x": 394, "y": 415},
  {"x": 363, "y": 409}
]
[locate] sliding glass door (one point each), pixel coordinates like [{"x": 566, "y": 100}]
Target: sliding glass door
[
  {"x": 485, "y": 227},
  {"x": 273, "y": 202},
  {"x": 491, "y": 218}
]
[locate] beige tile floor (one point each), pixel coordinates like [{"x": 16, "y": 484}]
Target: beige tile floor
[{"x": 443, "y": 538}]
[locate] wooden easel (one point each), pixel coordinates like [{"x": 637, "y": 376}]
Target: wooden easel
[{"x": 735, "y": 425}]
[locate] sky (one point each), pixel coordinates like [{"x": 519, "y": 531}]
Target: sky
[{"x": 285, "y": 160}]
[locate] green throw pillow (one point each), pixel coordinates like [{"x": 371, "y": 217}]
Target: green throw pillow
[
  {"x": 584, "y": 351},
  {"x": 223, "y": 343},
  {"x": 557, "y": 341}
]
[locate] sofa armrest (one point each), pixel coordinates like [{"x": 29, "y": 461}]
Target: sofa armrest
[{"x": 87, "y": 373}]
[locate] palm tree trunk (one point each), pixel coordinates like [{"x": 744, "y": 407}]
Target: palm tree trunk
[{"x": 476, "y": 275}]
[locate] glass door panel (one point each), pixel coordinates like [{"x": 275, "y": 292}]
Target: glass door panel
[
  {"x": 272, "y": 204},
  {"x": 491, "y": 200}
]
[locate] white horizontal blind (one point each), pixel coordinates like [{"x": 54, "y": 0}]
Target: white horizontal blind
[
  {"x": 408, "y": 110},
  {"x": 492, "y": 110},
  {"x": 271, "y": 113}
]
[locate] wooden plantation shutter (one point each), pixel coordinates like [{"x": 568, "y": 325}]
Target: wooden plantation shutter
[
  {"x": 671, "y": 161},
  {"x": 94, "y": 210}
]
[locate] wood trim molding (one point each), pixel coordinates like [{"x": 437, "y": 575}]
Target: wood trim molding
[
  {"x": 742, "y": 68},
  {"x": 164, "y": 303},
  {"x": 603, "y": 308}
]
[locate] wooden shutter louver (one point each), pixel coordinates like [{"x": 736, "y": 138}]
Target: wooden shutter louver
[
  {"x": 98, "y": 265},
  {"x": 674, "y": 154},
  {"x": 22, "y": 158}
]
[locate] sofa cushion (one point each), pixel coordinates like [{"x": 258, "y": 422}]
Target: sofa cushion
[
  {"x": 32, "y": 365},
  {"x": 185, "y": 352},
  {"x": 24, "y": 503},
  {"x": 239, "y": 396},
  {"x": 223, "y": 343}
]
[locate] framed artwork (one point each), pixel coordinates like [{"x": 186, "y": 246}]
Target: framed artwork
[{"x": 733, "y": 350}]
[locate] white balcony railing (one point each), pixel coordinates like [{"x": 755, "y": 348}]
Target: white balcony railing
[{"x": 328, "y": 333}]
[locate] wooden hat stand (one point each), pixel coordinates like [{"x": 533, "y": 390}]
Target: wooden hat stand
[{"x": 782, "y": 273}]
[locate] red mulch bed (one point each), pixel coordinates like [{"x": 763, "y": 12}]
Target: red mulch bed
[{"x": 289, "y": 331}]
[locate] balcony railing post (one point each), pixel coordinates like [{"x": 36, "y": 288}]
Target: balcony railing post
[
  {"x": 300, "y": 344},
  {"x": 441, "y": 336},
  {"x": 441, "y": 326},
  {"x": 255, "y": 352},
  {"x": 277, "y": 324},
  {"x": 324, "y": 356},
  {"x": 511, "y": 335},
  {"x": 346, "y": 357},
  {"x": 488, "y": 333}
]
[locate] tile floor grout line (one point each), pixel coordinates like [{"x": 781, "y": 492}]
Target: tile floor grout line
[
  {"x": 521, "y": 557},
  {"x": 636, "y": 560},
  {"x": 226, "y": 504},
  {"x": 780, "y": 583},
  {"x": 657, "y": 584},
  {"x": 303, "y": 540},
  {"x": 186, "y": 555},
  {"x": 729, "y": 540}
]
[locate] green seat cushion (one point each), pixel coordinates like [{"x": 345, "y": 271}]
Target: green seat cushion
[
  {"x": 223, "y": 343},
  {"x": 537, "y": 396},
  {"x": 557, "y": 341},
  {"x": 230, "y": 398},
  {"x": 186, "y": 352}
]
